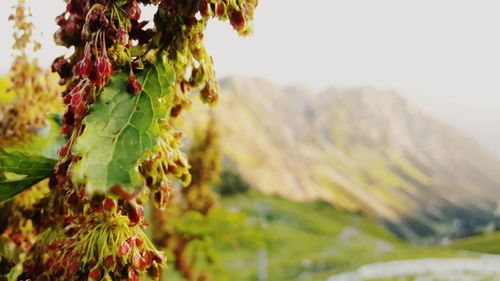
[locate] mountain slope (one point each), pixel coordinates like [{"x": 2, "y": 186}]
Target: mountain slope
[{"x": 363, "y": 150}]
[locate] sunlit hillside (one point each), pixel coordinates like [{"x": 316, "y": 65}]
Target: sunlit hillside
[{"x": 363, "y": 150}]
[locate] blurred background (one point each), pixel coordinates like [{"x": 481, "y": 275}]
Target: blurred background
[{"x": 358, "y": 139}]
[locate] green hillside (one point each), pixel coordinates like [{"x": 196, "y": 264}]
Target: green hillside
[
  {"x": 311, "y": 241},
  {"x": 487, "y": 243},
  {"x": 362, "y": 150}
]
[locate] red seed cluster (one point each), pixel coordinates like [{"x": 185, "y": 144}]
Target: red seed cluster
[
  {"x": 108, "y": 36},
  {"x": 66, "y": 255}
]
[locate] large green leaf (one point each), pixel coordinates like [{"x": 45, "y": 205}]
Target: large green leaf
[
  {"x": 19, "y": 171},
  {"x": 120, "y": 128}
]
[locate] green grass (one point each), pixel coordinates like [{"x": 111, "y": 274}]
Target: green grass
[
  {"x": 488, "y": 243},
  {"x": 426, "y": 277},
  {"x": 311, "y": 241}
]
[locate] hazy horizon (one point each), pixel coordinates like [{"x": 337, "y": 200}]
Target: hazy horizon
[{"x": 441, "y": 56}]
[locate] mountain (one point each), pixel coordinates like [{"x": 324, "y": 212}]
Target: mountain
[{"x": 363, "y": 150}]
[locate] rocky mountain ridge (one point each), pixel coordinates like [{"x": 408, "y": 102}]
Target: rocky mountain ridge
[{"x": 363, "y": 150}]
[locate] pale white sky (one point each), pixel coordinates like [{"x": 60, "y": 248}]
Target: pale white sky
[{"x": 443, "y": 55}]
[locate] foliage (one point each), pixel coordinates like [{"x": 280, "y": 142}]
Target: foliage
[
  {"x": 125, "y": 81},
  {"x": 487, "y": 243},
  {"x": 19, "y": 171},
  {"x": 122, "y": 127},
  {"x": 29, "y": 140},
  {"x": 193, "y": 222},
  {"x": 312, "y": 241},
  {"x": 232, "y": 183},
  {"x": 185, "y": 224}
]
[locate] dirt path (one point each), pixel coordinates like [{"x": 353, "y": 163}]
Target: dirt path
[{"x": 486, "y": 267}]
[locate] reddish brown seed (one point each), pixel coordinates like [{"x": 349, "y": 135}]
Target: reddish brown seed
[
  {"x": 73, "y": 199},
  {"x": 109, "y": 204},
  {"x": 135, "y": 214},
  {"x": 84, "y": 66},
  {"x": 60, "y": 20},
  {"x": 136, "y": 260},
  {"x": 154, "y": 271},
  {"x": 108, "y": 262},
  {"x": 148, "y": 257},
  {"x": 134, "y": 11},
  {"x": 73, "y": 267},
  {"x": 220, "y": 9},
  {"x": 124, "y": 249},
  {"x": 131, "y": 242},
  {"x": 237, "y": 20},
  {"x": 133, "y": 86},
  {"x": 95, "y": 274},
  {"x": 104, "y": 71},
  {"x": 138, "y": 242},
  {"x": 204, "y": 8},
  {"x": 62, "y": 67},
  {"x": 122, "y": 36},
  {"x": 66, "y": 129},
  {"x": 133, "y": 275},
  {"x": 91, "y": 262}
]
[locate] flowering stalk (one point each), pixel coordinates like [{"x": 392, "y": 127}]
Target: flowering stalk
[
  {"x": 195, "y": 199},
  {"x": 124, "y": 84}
]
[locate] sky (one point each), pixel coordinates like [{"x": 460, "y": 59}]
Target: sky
[{"x": 442, "y": 55}]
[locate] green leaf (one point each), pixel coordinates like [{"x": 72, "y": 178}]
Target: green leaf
[
  {"x": 10, "y": 188},
  {"x": 19, "y": 171},
  {"x": 120, "y": 128},
  {"x": 25, "y": 164}
]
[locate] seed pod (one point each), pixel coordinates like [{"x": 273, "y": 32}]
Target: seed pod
[
  {"x": 220, "y": 9},
  {"x": 124, "y": 249},
  {"x": 122, "y": 36},
  {"x": 237, "y": 20},
  {"x": 137, "y": 260},
  {"x": 62, "y": 67},
  {"x": 133, "y": 275},
  {"x": 84, "y": 67},
  {"x": 73, "y": 267},
  {"x": 95, "y": 274},
  {"x": 108, "y": 262},
  {"x": 133, "y": 86},
  {"x": 204, "y": 8},
  {"x": 154, "y": 271},
  {"x": 109, "y": 204},
  {"x": 134, "y": 12},
  {"x": 104, "y": 71}
]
